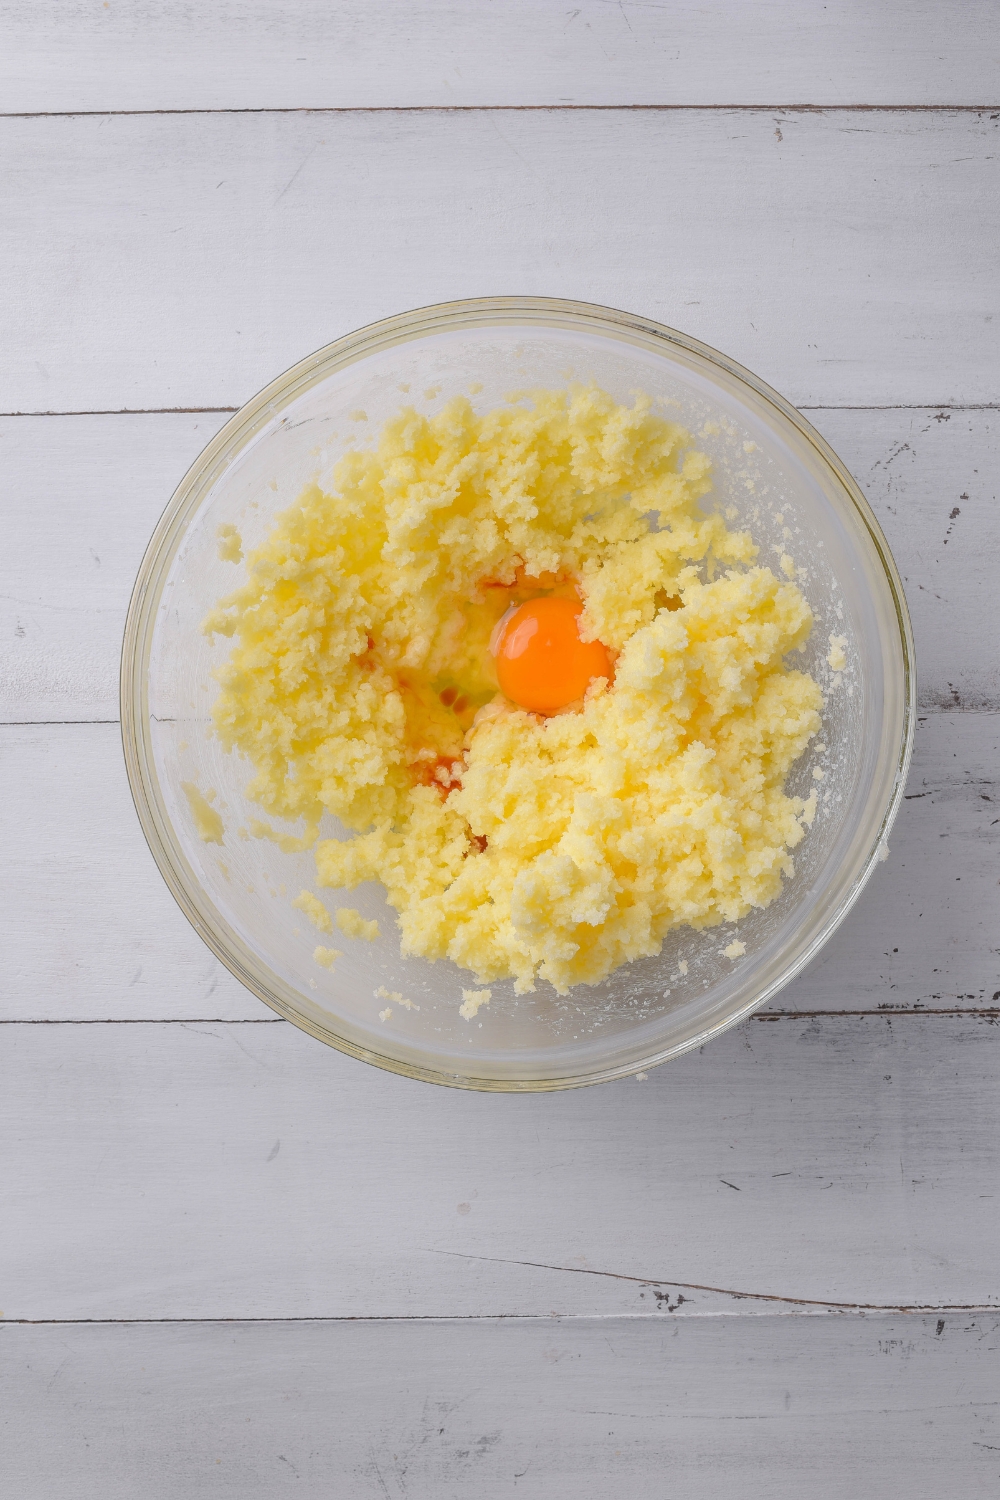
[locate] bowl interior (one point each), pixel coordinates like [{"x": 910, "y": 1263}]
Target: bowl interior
[{"x": 768, "y": 466}]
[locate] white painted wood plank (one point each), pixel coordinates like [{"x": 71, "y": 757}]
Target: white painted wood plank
[
  {"x": 82, "y": 495},
  {"x": 88, "y": 930},
  {"x": 925, "y": 931},
  {"x": 155, "y": 55},
  {"x": 80, "y": 500},
  {"x": 718, "y": 1409},
  {"x": 227, "y": 1170},
  {"x": 166, "y": 261},
  {"x": 932, "y": 477},
  {"x": 87, "y": 926}
]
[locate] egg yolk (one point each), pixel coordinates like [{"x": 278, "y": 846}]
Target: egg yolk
[{"x": 541, "y": 662}]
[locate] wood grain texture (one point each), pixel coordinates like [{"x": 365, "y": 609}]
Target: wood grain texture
[
  {"x": 715, "y": 1409},
  {"x": 180, "y": 261},
  {"x": 88, "y": 930},
  {"x": 81, "y": 499},
  {"x": 233, "y": 1171},
  {"x": 160, "y": 54},
  {"x": 932, "y": 477},
  {"x": 82, "y": 495}
]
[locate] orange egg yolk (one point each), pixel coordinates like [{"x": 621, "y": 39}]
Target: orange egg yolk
[{"x": 541, "y": 662}]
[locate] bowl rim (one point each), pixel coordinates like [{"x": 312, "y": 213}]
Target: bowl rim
[{"x": 199, "y": 478}]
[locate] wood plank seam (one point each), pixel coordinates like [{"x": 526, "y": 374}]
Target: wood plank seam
[
  {"x": 480, "y": 109},
  {"x": 881, "y": 1012},
  {"x": 136, "y": 411},
  {"x": 160, "y": 411},
  {"x": 835, "y": 1309},
  {"x": 889, "y": 1012}
]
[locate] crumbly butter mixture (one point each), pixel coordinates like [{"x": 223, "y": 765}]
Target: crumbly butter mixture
[
  {"x": 471, "y": 1002},
  {"x": 207, "y": 821},
  {"x": 360, "y": 684},
  {"x": 314, "y": 910}
]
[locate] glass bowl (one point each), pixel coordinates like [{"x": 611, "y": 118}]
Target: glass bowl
[{"x": 788, "y": 487}]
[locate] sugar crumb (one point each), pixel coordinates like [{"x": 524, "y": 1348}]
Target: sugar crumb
[
  {"x": 207, "y": 824},
  {"x": 314, "y": 909},
  {"x": 472, "y": 1000},
  {"x": 837, "y": 656},
  {"x": 353, "y": 924},
  {"x": 397, "y": 999},
  {"x": 288, "y": 843}
]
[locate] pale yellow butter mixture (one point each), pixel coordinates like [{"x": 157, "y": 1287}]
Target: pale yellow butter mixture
[{"x": 360, "y": 684}]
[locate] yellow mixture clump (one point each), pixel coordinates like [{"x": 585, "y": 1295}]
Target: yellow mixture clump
[{"x": 361, "y": 685}]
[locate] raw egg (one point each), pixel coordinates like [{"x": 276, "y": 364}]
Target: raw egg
[{"x": 541, "y": 662}]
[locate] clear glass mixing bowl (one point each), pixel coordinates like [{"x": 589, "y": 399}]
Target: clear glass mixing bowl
[{"x": 789, "y": 489}]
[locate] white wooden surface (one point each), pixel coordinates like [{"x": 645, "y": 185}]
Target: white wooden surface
[
  {"x": 549, "y": 1409},
  {"x": 178, "y": 54},
  {"x": 769, "y": 1270},
  {"x": 199, "y": 1170},
  {"x": 853, "y": 254}
]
